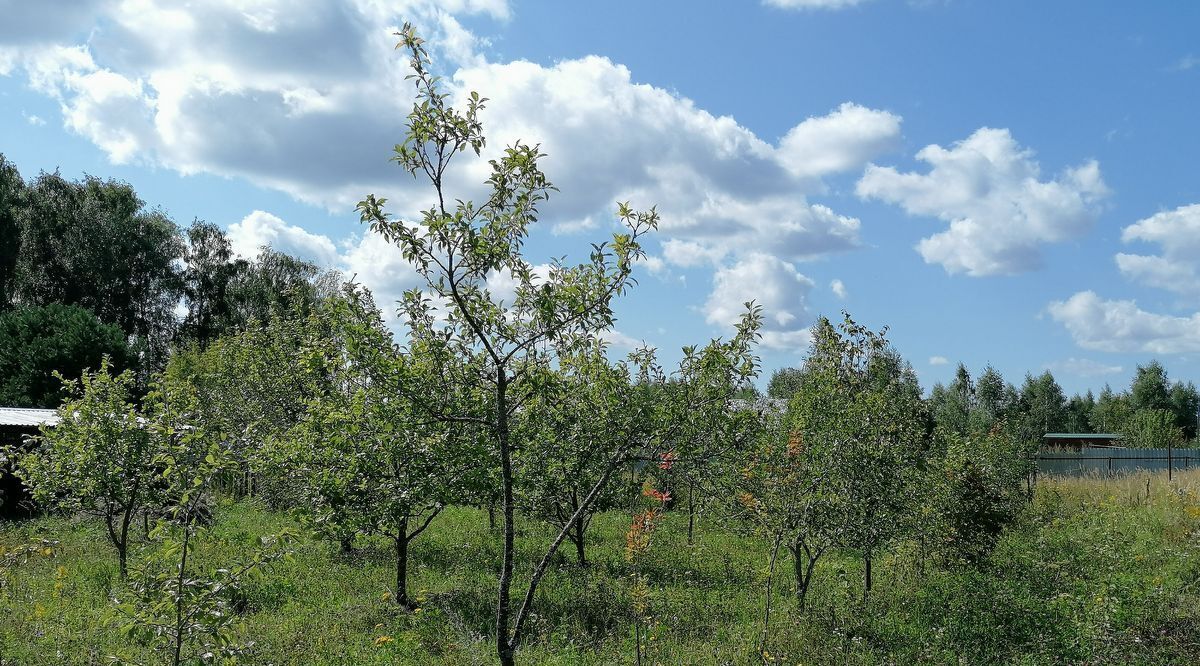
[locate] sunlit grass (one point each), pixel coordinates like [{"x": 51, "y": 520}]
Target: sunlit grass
[{"x": 1096, "y": 572}]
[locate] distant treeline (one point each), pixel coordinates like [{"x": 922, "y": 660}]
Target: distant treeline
[
  {"x": 88, "y": 270},
  {"x": 1152, "y": 412}
]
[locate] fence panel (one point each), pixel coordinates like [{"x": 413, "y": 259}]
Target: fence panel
[{"x": 1102, "y": 460}]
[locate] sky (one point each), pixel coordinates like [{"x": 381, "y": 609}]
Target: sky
[{"x": 1010, "y": 183}]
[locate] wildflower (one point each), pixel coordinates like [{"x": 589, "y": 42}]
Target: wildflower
[{"x": 384, "y": 640}]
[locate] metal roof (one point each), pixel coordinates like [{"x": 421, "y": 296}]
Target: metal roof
[
  {"x": 1081, "y": 435},
  {"x": 20, "y": 416}
]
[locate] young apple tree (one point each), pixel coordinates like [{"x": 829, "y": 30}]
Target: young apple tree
[
  {"x": 363, "y": 458},
  {"x": 499, "y": 350},
  {"x": 859, "y": 411},
  {"x": 97, "y": 459}
]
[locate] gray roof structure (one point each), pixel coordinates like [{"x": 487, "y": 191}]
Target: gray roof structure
[{"x": 24, "y": 417}]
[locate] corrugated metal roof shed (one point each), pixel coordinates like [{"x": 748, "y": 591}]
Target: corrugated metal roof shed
[{"x": 19, "y": 416}]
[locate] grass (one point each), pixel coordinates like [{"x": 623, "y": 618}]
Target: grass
[{"x": 1096, "y": 572}]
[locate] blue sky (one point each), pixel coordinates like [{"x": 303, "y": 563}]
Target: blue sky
[{"x": 1012, "y": 183}]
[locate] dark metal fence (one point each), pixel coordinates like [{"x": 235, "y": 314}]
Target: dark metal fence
[{"x": 1095, "y": 460}]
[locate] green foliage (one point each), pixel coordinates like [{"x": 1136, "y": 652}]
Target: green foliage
[
  {"x": 1111, "y": 412},
  {"x": 38, "y": 341},
  {"x": 860, "y": 415},
  {"x": 12, "y": 192},
  {"x": 360, "y": 460},
  {"x": 1152, "y": 429},
  {"x": 93, "y": 243},
  {"x": 98, "y": 459},
  {"x": 585, "y": 415},
  {"x": 500, "y": 351},
  {"x": 1150, "y": 391},
  {"x": 1043, "y": 408},
  {"x": 254, "y": 387},
  {"x": 184, "y": 615},
  {"x": 1095, "y": 572},
  {"x": 974, "y": 491},
  {"x": 785, "y": 383}
]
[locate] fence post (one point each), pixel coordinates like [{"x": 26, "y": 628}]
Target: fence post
[{"x": 1110, "y": 465}]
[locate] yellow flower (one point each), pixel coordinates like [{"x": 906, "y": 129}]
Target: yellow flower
[{"x": 384, "y": 640}]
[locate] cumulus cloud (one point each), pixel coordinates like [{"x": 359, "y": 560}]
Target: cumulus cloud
[
  {"x": 1083, "y": 367},
  {"x": 938, "y": 360},
  {"x": 843, "y": 140},
  {"x": 309, "y": 103},
  {"x": 1177, "y": 267},
  {"x": 368, "y": 259},
  {"x": 772, "y": 283},
  {"x": 618, "y": 340},
  {"x": 988, "y": 188},
  {"x": 1121, "y": 326},
  {"x": 259, "y": 229}
]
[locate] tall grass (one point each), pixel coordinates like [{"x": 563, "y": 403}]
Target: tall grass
[{"x": 1098, "y": 571}]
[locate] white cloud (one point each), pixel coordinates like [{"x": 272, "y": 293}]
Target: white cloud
[
  {"x": 842, "y": 141},
  {"x": 619, "y": 340},
  {"x": 33, "y": 119},
  {"x": 368, "y": 259},
  {"x": 309, "y": 103},
  {"x": 776, "y": 286},
  {"x": 1177, "y": 267},
  {"x": 1121, "y": 326},
  {"x": 938, "y": 360},
  {"x": 838, "y": 288},
  {"x": 586, "y": 223},
  {"x": 260, "y": 228},
  {"x": 987, "y": 188},
  {"x": 503, "y": 285},
  {"x": 812, "y": 4},
  {"x": 1083, "y": 367}
]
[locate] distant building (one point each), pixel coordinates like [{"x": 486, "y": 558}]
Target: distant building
[
  {"x": 16, "y": 426},
  {"x": 1078, "y": 440}
]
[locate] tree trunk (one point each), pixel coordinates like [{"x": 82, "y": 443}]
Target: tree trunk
[
  {"x": 765, "y": 637},
  {"x": 402, "y": 564},
  {"x": 504, "y": 646},
  {"x": 185, "y": 545},
  {"x": 491, "y": 509},
  {"x": 577, "y": 538},
  {"x": 803, "y": 568},
  {"x": 123, "y": 547},
  {"x": 691, "y": 513},
  {"x": 866, "y": 574}
]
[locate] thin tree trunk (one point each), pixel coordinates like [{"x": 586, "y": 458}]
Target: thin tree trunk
[
  {"x": 179, "y": 596},
  {"x": 803, "y": 568},
  {"x": 765, "y": 636},
  {"x": 504, "y": 646},
  {"x": 578, "y": 539},
  {"x": 402, "y": 564},
  {"x": 691, "y": 513},
  {"x": 866, "y": 574}
]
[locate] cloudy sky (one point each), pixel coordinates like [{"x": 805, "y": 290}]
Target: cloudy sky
[{"x": 1014, "y": 183}]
